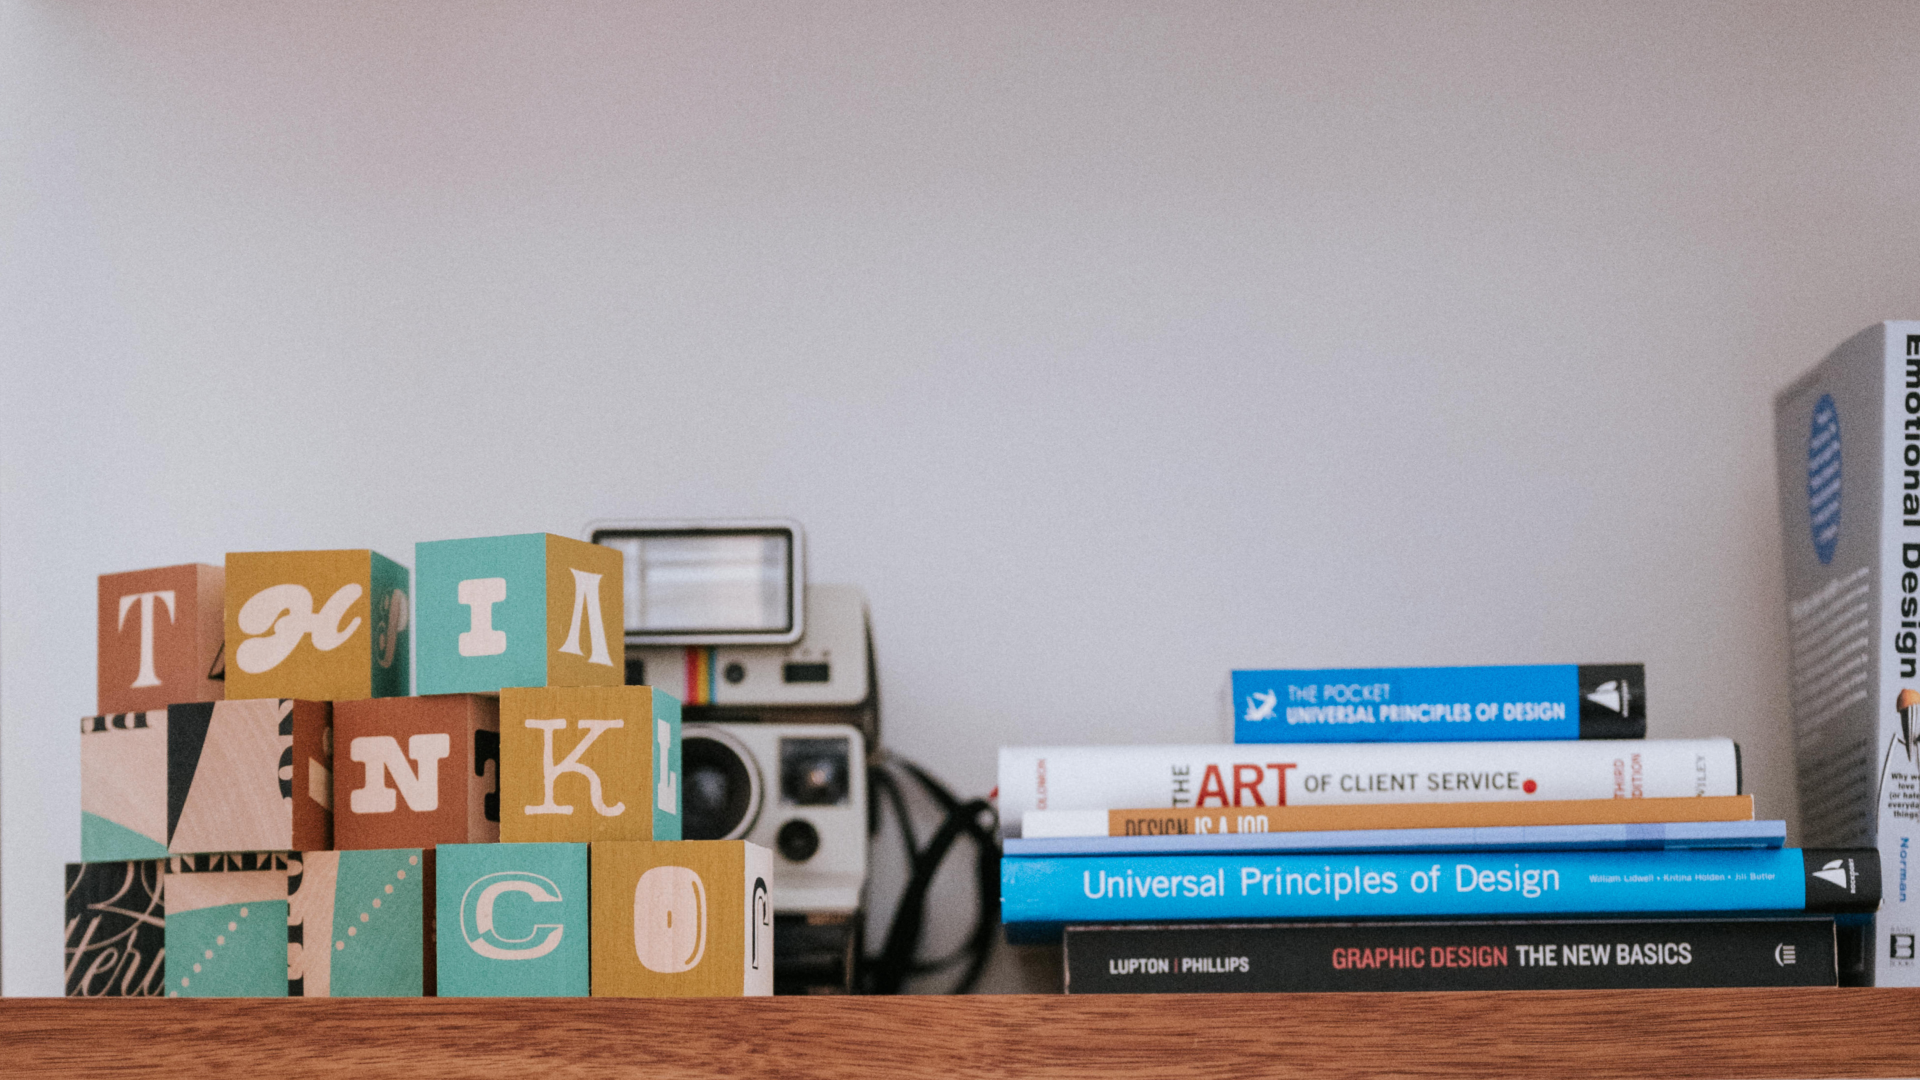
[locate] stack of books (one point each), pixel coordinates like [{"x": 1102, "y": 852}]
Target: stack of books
[
  {"x": 1472, "y": 828},
  {"x": 267, "y": 811}
]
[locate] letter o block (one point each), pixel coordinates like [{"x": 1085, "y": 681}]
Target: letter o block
[
  {"x": 416, "y": 772},
  {"x": 322, "y": 625},
  {"x": 160, "y": 637},
  {"x": 513, "y": 920},
  {"x": 532, "y": 610},
  {"x": 687, "y": 919},
  {"x": 584, "y": 763}
]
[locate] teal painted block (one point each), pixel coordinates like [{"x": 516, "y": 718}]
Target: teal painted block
[
  {"x": 226, "y": 925},
  {"x": 529, "y": 610},
  {"x": 512, "y": 920},
  {"x": 392, "y": 627},
  {"x": 357, "y": 925},
  {"x": 106, "y": 841},
  {"x": 666, "y": 726}
]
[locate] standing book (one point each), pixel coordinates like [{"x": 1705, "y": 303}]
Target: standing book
[{"x": 1847, "y": 440}]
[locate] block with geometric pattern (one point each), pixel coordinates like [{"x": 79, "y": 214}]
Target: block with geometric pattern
[
  {"x": 359, "y": 924},
  {"x": 226, "y": 925},
  {"x": 116, "y": 929},
  {"x": 247, "y": 775},
  {"x": 123, "y": 787}
]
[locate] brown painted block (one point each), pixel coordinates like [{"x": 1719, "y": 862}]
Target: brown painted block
[
  {"x": 584, "y": 763},
  {"x": 322, "y": 625},
  {"x": 413, "y": 772},
  {"x": 160, "y": 633},
  {"x": 249, "y": 776},
  {"x": 685, "y": 918}
]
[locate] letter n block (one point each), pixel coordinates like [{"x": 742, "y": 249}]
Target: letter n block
[
  {"x": 358, "y": 924},
  {"x": 532, "y": 610},
  {"x": 416, "y": 771},
  {"x": 160, "y": 637},
  {"x": 248, "y": 776},
  {"x": 227, "y": 925},
  {"x": 123, "y": 786},
  {"x": 692, "y": 918},
  {"x": 116, "y": 929},
  {"x": 322, "y": 625},
  {"x": 583, "y": 763},
  {"x": 512, "y": 920}
]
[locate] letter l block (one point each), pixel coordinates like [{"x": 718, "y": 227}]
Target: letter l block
[{"x": 530, "y": 610}]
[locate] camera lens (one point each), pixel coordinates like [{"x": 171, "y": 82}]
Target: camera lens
[
  {"x": 720, "y": 796},
  {"x": 814, "y": 772},
  {"x": 797, "y": 840}
]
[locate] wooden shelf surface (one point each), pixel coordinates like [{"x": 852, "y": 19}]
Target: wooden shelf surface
[{"x": 1653, "y": 1033}]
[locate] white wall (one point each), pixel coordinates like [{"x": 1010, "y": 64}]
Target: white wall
[{"x": 1108, "y": 346}]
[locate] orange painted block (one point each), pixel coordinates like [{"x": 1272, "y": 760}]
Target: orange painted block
[
  {"x": 414, "y": 772},
  {"x": 159, "y": 640},
  {"x": 682, "y": 918},
  {"x": 323, "y": 625}
]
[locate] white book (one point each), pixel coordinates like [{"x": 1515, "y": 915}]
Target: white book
[
  {"x": 1847, "y": 444},
  {"x": 1307, "y": 774}
]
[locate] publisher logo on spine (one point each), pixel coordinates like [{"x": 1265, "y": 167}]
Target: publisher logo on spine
[{"x": 1823, "y": 477}]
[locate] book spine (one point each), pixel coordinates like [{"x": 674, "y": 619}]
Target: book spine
[
  {"x": 1223, "y": 776},
  {"x": 1467, "y": 704},
  {"x": 1641, "y": 837},
  {"x": 1193, "y": 821},
  {"x": 1059, "y": 890},
  {"x": 1610, "y": 954}
]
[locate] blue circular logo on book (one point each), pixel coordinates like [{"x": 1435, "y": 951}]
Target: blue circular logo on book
[{"x": 1823, "y": 477}]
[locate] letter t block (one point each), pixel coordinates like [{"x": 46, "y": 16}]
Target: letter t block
[
  {"x": 532, "y": 610},
  {"x": 416, "y": 772},
  {"x": 585, "y": 763},
  {"x": 160, "y": 637}
]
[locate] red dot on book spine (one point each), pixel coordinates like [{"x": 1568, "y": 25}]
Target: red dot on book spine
[{"x": 1529, "y": 787}]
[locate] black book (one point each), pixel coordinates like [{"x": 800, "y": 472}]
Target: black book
[{"x": 1572, "y": 954}]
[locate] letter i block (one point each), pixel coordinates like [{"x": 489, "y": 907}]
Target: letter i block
[
  {"x": 416, "y": 772},
  {"x": 533, "y": 610},
  {"x": 227, "y": 925},
  {"x": 160, "y": 637},
  {"x": 583, "y": 763},
  {"x": 116, "y": 929},
  {"x": 686, "y": 919},
  {"x": 246, "y": 775},
  {"x": 512, "y": 920},
  {"x": 358, "y": 924},
  {"x": 323, "y": 625}
]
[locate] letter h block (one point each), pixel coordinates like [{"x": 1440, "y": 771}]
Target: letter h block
[
  {"x": 512, "y": 920},
  {"x": 532, "y": 610},
  {"x": 321, "y": 625},
  {"x": 416, "y": 772},
  {"x": 160, "y": 637},
  {"x": 584, "y": 763},
  {"x": 686, "y": 919}
]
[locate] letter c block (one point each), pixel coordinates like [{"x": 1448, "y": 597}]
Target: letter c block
[{"x": 512, "y": 920}]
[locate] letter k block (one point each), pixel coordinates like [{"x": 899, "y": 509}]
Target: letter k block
[
  {"x": 530, "y": 610},
  {"x": 416, "y": 772},
  {"x": 585, "y": 763}
]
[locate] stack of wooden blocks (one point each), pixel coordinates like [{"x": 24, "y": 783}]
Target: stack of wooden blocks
[{"x": 514, "y": 830}]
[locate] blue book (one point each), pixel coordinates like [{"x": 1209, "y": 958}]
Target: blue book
[
  {"x": 1039, "y": 894},
  {"x": 1635, "y": 837},
  {"x": 1436, "y": 704}
]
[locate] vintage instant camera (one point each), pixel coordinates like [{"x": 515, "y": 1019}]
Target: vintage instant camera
[{"x": 776, "y": 677}]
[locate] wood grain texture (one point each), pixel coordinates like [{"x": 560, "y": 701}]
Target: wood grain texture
[{"x": 1663, "y": 1033}]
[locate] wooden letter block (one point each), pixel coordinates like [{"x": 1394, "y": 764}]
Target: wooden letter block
[
  {"x": 116, "y": 929},
  {"x": 533, "y": 610},
  {"x": 160, "y": 637},
  {"x": 690, "y": 918},
  {"x": 583, "y": 763},
  {"x": 227, "y": 925},
  {"x": 123, "y": 787},
  {"x": 513, "y": 920},
  {"x": 416, "y": 772},
  {"x": 248, "y": 776},
  {"x": 358, "y": 926},
  {"x": 322, "y": 625}
]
